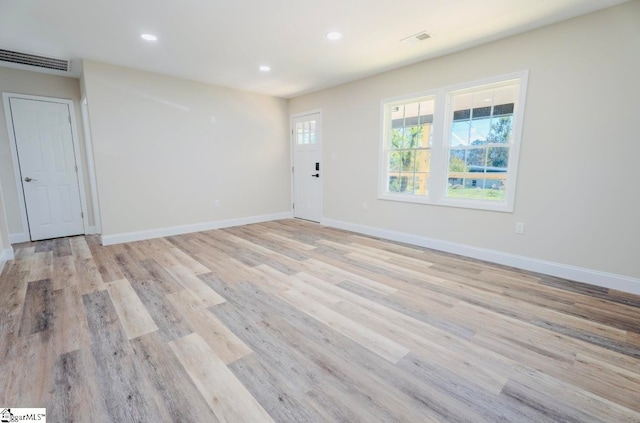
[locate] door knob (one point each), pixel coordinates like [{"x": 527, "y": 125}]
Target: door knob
[
  {"x": 27, "y": 179},
  {"x": 317, "y": 175}
]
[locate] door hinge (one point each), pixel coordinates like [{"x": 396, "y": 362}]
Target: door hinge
[
  {"x": 82, "y": 214},
  {"x": 76, "y": 168},
  {"x": 291, "y": 169},
  {"x": 293, "y": 206},
  {"x": 69, "y": 117}
]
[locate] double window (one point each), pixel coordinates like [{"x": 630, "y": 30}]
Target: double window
[{"x": 456, "y": 146}]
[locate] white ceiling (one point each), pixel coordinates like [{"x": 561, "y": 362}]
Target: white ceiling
[{"x": 223, "y": 42}]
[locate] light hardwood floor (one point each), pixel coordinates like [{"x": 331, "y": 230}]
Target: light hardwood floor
[{"x": 289, "y": 321}]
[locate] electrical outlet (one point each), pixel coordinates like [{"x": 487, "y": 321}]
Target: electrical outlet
[
  {"x": 365, "y": 206},
  {"x": 520, "y": 228},
  {"x": 217, "y": 203}
]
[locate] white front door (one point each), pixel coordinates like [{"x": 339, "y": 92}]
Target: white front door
[
  {"x": 46, "y": 156},
  {"x": 307, "y": 169}
]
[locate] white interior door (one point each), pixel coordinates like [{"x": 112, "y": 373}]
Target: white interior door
[
  {"x": 46, "y": 156},
  {"x": 307, "y": 169}
]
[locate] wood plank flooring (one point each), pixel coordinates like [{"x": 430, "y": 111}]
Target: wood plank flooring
[{"x": 289, "y": 321}]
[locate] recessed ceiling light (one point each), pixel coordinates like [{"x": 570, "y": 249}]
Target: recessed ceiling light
[
  {"x": 264, "y": 68},
  {"x": 148, "y": 37},
  {"x": 334, "y": 35}
]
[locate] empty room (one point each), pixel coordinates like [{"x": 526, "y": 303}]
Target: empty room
[{"x": 349, "y": 211}]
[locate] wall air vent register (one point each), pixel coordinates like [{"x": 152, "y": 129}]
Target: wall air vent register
[{"x": 18, "y": 58}]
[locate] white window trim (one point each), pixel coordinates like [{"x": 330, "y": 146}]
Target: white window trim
[{"x": 438, "y": 171}]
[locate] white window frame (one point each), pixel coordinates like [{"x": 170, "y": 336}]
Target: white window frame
[{"x": 442, "y": 120}]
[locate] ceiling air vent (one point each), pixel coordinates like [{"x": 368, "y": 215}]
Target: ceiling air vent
[
  {"x": 33, "y": 60},
  {"x": 420, "y": 36}
]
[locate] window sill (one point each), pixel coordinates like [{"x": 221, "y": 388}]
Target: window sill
[{"x": 495, "y": 206}]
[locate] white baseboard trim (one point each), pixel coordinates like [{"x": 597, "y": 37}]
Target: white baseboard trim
[
  {"x": 579, "y": 274},
  {"x": 5, "y": 256},
  {"x": 18, "y": 238},
  {"x": 185, "y": 229}
]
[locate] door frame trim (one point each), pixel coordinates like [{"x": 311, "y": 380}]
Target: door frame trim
[
  {"x": 91, "y": 167},
  {"x": 292, "y": 158},
  {"x": 16, "y": 166}
]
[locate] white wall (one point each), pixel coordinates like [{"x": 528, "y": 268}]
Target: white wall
[
  {"x": 161, "y": 161},
  {"x": 6, "y": 252},
  {"x": 578, "y": 180},
  {"x": 32, "y": 83}
]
